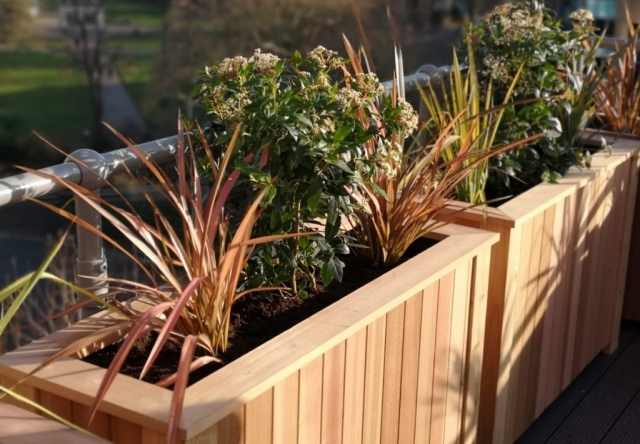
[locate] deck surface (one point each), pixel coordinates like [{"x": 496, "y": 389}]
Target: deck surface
[{"x": 602, "y": 405}]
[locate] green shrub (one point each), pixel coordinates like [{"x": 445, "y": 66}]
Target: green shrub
[
  {"x": 528, "y": 34},
  {"x": 316, "y": 134}
]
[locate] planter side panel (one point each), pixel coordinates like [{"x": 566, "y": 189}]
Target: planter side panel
[
  {"x": 568, "y": 304},
  {"x": 410, "y": 376},
  {"x": 556, "y": 291},
  {"x": 632, "y": 292}
]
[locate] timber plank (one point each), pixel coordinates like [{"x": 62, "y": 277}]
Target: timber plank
[
  {"x": 285, "y": 410},
  {"x": 354, "y": 380},
  {"x": 442, "y": 359},
  {"x": 410, "y": 368},
  {"x": 18, "y": 426},
  {"x": 426, "y": 382},
  {"x": 333, "y": 394},
  {"x": 392, "y": 375}
]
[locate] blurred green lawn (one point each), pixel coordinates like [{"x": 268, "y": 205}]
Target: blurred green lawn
[
  {"x": 140, "y": 13},
  {"x": 136, "y": 73},
  {"x": 47, "y": 93}
]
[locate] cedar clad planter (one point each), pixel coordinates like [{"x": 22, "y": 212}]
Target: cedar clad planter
[
  {"x": 399, "y": 360},
  {"x": 556, "y": 287}
]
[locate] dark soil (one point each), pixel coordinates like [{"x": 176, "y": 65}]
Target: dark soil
[{"x": 256, "y": 318}]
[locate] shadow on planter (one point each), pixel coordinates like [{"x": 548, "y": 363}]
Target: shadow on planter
[{"x": 556, "y": 286}]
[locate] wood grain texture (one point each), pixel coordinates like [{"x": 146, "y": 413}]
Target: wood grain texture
[
  {"x": 631, "y": 308},
  {"x": 333, "y": 394},
  {"x": 374, "y": 379},
  {"x": 475, "y": 343},
  {"x": 425, "y": 394},
  {"x": 22, "y": 389},
  {"x": 124, "y": 432},
  {"x": 17, "y": 426},
  {"x": 100, "y": 424},
  {"x": 310, "y": 414},
  {"x": 231, "y": 429},
  {"x": 442, "y": 359},
  {"x": 458, "y": 336},
  {"x": 410, "y": 369},
  {"x": 354, "y": 381},
  {"x": 285, "y": 410},
  {"x": 552, "y": 278},
  {"x": 388, "y": 363},
  {"x": 258, "y": 419},
  {"x": 392, "y": 375}
]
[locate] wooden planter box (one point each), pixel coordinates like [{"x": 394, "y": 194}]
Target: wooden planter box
[
  {"x": 556, "y": 287},
  {"x": 398, "y": 360}
]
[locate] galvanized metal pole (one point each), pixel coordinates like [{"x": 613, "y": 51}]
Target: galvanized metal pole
[{"x": 91, "y": 260}]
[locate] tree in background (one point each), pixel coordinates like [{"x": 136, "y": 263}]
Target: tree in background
[
  {"x": 85, "y": 27},
  {"x": 15, "y": 21}
]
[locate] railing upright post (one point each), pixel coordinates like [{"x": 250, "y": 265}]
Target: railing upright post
[{"x": 91, "y": 260}]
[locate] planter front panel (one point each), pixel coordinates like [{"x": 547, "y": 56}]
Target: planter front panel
[
  {"x": 399, "y": 360},
  {"x": 556, "y": 286},
  {"x": 400, "y": 379}
]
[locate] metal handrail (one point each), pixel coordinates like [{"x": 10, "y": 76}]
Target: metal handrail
[
  {"x": 29, "y": 185},
  {"x": 91, "y": 169}
]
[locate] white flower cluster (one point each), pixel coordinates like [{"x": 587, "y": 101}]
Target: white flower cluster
[
  {"x": 389, "y": 158},
  {"x": 582, "y": 16},
  {"x": 348, "y": 98},
  {"x": 230, "y": 67},
  {"x": 232, "y": 108},
  {"x": 497, "y": 68},
  {"x": 263, "y": 62},
  {"x": 322, "y": 125},
  {"x": 516, "y": 24},
  {"x": 369, "y": 84},
  {"x": 408, "y": 117},
  {"x": 324, "y": 58}
]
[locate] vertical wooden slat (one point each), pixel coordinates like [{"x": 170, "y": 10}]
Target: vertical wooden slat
[
  {"x": 427, "y": 362},
  {"x": 631, "y": 308},
  {"x": 153, "y": 437},
  {"x": 555, "y": 319},
  {"x": 57, "y": 404},
  {"x": 606, "y": 263},
  {"x": 583, "y": 202},
  {"x": 441, "y": 362},
  {"x": 458, "y": 336},
  {"x": 518, "y": 316},
  {"x": 124, "y": 432},
  {"x": 528, "y": 326},
  {"x": 588, "y": 316},
  {"x": 310, "y": 415},
  {"x": 23, "y": 389},
  {"x": 374, "y": 377},
  {"x": 625, "y": 199},
  {"x": 392, "y": 375},
  {"x": 493, "y": 333},
  {"x": 410, "y": 361},
  {"x": 258, "y": 419},
  {"x": 540, "y": 312},
  {"x": 629, "y": 219},
  {"x": 285, "y": 410},
  {"x": 100, "y": 424},
  {"x": 231, "y": 429},
  {"x": 509, "y": 328},
  {"x": 209, "y": 436},
  {"x": 333, "y": 394},
  {"x": 354, "y": 380},
  {"x": 473, "y": 363}
]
